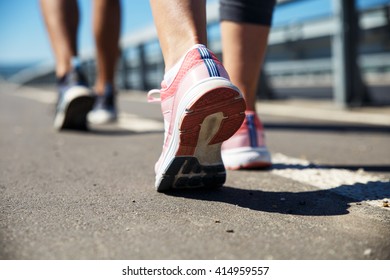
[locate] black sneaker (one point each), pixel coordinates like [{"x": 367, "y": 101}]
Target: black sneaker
[
  {"x": 104, "y": 110},
  {"x": 75, "y": 100}
]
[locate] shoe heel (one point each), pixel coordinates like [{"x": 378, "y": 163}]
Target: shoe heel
[
  {"x": 221, "y": 111},
  {"x": 187, "y": 172}
]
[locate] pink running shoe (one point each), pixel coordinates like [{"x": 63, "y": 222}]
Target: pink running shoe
[
  {"x": 246, "y": 149},
  {"x": 201, "y": 109}
]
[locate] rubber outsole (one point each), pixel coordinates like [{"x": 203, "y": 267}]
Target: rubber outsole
[
  {"x": 187, "y": 172},
  {"x": 251, "y": 166},
  {"x": 225, "y": 100},
  {"x": 101, "y": 117},
  {"x": 211, "y": 119},
  {"x": 246, "y": 158},
  {"x": 76, "y": 113}
]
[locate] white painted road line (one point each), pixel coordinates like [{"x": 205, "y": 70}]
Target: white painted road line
[
  {"x": 43, "y": 96},
  {"x": 305, "y": 112},
  {"x": 359, "y": 186},
  {"x": 126, "y": 121},
  {"x": 138, "y": 124}
]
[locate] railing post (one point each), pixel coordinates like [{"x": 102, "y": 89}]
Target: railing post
[
  {"x": 142, "y": 67},
  {"x": 124, "y": 71},
  {"x": 264, "y": 89},
  {"x": 349, "y": 88}
]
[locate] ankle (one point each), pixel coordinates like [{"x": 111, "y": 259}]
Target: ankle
[
  {"x": 62, "y": 70},
  {"x": 102, "y": 88},
  {"x": 172, "y": 70}
]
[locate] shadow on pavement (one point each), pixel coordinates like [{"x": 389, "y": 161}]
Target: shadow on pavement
[
  {"x": 308, "y": 203},
  {"x": 121, "y": 132},
  {"x": 328, "y": 127},
  {"x": 369, "y": 168},
  {"x": 110, "y": 132}
]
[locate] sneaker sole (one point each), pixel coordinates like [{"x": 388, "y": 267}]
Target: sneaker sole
[
  {"x": 74, "y": 116},
  {"x": 209, "y": 114},
  {"x": 247, "y": 158},
  {"x": 101, "y": 117}
]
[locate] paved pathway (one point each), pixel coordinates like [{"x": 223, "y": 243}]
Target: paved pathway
[{"x": 90, "y": 195}]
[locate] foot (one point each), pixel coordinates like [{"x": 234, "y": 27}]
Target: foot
[
  {"x": 201, "y": 109},
  {"x": 75, "y": 100},
  {"x": 104, "y": 110},
  {"x": 246, "y": 149}
]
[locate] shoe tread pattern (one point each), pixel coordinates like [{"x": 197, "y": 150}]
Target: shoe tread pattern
[
  {"x": 76, "y": 113},
  {"x": 187, "y": 172}
]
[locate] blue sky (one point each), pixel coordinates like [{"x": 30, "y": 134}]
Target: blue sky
[{"x": 23, "y": 35}]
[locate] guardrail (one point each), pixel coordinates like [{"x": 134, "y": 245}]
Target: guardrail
[{"x": 141, "y": 65}]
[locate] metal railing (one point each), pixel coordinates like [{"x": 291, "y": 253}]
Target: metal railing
[{"x": 141, "y": 64}]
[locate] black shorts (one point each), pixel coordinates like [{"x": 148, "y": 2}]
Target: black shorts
[{"x": 247, "y": 11}]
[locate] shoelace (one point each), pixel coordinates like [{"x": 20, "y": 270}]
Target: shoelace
[{"x": 152, "y": 98}]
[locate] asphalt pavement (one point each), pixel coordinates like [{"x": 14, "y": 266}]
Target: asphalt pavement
[{"x": 90, "y": 195}]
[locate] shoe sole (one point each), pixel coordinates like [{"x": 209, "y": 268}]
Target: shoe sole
[
  {"x": 74, "y": 116},
  {"x": 100, "y": 118},
  {"x": 208, "y": 114},
  {"x": 252, "y": 166},
  {"x": 246, "y": 158}
]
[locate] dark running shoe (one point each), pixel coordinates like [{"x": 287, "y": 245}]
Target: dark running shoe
[
  {"x": 104, "y": 110},
  {"x": 75, "y": 100}
]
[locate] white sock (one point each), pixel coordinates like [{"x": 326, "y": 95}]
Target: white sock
[{"x": 171, "y": 73}]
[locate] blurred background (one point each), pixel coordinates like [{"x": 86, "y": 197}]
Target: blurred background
[{"x": 319, "y": 49}]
